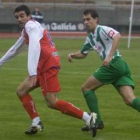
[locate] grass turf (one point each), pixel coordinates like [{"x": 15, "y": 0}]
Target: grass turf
[{"x": 121, "y": 122}]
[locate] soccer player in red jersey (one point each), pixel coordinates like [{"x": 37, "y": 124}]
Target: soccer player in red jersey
[{"x": 43, "y": 67}]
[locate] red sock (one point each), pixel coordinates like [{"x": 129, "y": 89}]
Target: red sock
[
  {"x": 69, "y": 109},
  {"x": 29, "y": 105}
]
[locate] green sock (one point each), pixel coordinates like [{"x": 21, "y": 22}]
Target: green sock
[
  {"x": 136, "y": 104},
  {"x": 92, "y": 103}
]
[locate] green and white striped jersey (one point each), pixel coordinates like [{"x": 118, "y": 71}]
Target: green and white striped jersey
[{"x": 101, "y": 41}]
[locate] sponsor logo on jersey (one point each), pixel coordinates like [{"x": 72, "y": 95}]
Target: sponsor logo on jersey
[{"x": 111, "y": 33}]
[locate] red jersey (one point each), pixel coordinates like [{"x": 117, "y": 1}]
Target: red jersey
[{"x": 49, "y": 57}]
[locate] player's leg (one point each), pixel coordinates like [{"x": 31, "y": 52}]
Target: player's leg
[
  {"x": 102, "y": 76},
  {"x": 65, "y": 107},
  {"x": 50, "y": 87},
  {"x": 28, "y": 104},
  {"x": 129, "y": 98},
  {"x": 88, "y": 90},
  {"x": 125, "y": 86}
]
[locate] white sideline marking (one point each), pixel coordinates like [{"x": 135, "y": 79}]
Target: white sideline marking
[
  {"x": 60, "y": 72},
  {"x": 13, "y": 69},
  {"x": 26, "y": 70}
]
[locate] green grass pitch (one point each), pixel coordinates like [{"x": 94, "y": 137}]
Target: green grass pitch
[{"x": 121, "y": 122}]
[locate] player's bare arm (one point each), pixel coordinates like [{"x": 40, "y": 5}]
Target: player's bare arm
[
  {"x": 116, "y": 40},
  {"x": 77, "y": 55}
]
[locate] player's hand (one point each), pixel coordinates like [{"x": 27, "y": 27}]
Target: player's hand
[
  {"x": 33, "y": 81},
  {"x": 107, "y": 61},
  {"x": 70, "y": 57}
]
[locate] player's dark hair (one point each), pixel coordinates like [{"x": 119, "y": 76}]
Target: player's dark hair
[
  {"x": 92, "y": 12},
  {"x": 23, "y": 8}
]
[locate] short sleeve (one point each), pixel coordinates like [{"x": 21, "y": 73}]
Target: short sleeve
[{"x": 110, "y": 31}]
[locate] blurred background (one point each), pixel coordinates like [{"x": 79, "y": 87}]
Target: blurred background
[{"x": 66, "y": 15}]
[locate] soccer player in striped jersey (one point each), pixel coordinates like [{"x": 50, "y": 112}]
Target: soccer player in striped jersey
[
  {"x": 43, "y": 68},
  {"x": 114, "y": 70}
]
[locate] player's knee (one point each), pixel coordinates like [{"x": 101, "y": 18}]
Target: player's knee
[
  {"x": 86, "y": 87},
  {"x": 51, "y": 99},
  {"x": 127, "y": 102},
  {"x": 18, "y": 92},
  {"x": 50, "y": 104},
  {"x": 83, "y": 88}
]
